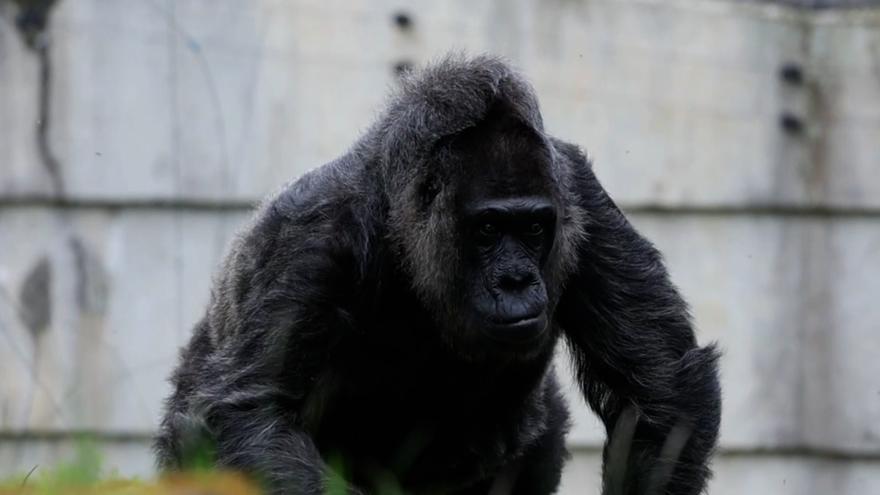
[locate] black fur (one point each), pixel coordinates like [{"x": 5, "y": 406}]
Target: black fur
[{"x": 334, "y": 344}]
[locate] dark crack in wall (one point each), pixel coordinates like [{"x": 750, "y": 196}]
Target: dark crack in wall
[{"x": 32, "y": 21}]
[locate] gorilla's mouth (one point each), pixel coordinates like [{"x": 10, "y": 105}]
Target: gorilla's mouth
[{"x": 517, "y": 330}]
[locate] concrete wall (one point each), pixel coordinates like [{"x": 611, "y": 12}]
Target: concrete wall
[{"x": 170, "y": 118}]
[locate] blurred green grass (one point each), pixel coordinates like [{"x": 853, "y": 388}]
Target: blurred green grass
[{"x": 84, "y": 474}]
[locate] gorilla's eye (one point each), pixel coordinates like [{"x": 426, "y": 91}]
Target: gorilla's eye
[
  {"x": 488, "y": 229},
  {"x": 535, "y": 229}
]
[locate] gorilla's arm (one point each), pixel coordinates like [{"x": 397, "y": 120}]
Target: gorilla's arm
[
  {"x": 276, "y": 312},
  {"x": 636, "y": 355}
]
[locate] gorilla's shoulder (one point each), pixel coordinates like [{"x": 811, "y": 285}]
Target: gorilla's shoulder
[
  {"x": 339, "y": 188},
  {"x": 574, "y": 156},
  {"x": 334, "y": 209}
]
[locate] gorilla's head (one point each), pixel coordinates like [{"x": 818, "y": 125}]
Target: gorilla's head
[
  {"x": 506, "y": 222},
  {"x": 477, "y": 205}
]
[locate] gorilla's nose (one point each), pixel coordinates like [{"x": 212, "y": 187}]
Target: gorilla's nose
[{"x": 515, "y": 281}]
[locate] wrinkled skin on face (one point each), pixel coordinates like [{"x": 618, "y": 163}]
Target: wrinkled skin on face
[{"x": 507, "y": 223}]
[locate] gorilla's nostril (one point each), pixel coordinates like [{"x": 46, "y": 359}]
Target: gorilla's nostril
[{"x": 516, "y": 280}]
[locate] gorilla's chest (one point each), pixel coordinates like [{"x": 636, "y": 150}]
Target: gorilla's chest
[{"x": 420, "y": 419}]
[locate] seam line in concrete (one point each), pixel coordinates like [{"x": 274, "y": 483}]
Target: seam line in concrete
[
  {"x": 141, "y": 437},
  {"x": 247, "y": 205}
]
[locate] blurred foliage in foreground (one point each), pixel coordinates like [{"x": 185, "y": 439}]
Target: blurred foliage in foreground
[{"x": 84, "y": 476}]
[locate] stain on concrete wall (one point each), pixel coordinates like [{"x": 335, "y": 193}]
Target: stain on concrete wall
[{"x": 35, "y": 297}]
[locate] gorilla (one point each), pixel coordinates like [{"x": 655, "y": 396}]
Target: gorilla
[{"x": 388, "y": 322}]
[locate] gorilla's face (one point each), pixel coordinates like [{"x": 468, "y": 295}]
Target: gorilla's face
[
  {"x": 507, "y": 222},
  {"x": 509, "y": 239}
]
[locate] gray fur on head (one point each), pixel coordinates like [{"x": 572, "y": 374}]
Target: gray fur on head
[{"x": 442, "y": 100}]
